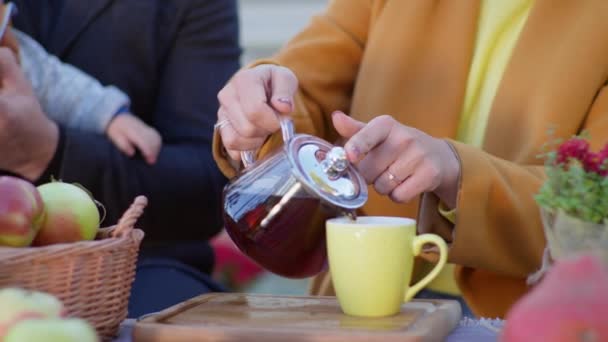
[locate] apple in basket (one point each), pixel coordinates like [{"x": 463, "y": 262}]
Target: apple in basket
[
  {"x": 21, "y": 212},
  {"x": 71, "y": 214}
]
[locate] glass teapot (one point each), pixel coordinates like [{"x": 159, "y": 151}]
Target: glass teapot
[{"x": 275, "y": 211}]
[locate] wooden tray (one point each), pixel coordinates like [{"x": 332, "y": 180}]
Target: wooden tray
[{"x": 252, "y": 317}]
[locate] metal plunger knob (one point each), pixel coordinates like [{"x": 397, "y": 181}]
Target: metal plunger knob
[{"x": 335, "y": 162}]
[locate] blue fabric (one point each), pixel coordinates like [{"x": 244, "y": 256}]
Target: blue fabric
[
  {"x": 123, "y": 110},
  {"x": 46, "y": 15},
  {"x": 163, "y": 282},
  {"x": 430, "y": 294},
  {"x": 171, "y": 57},
  {"x": 477, "y": 330}
]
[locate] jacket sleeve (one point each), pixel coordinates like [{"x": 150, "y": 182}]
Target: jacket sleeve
[
  {"x": 184, "y": 186},
  {"x": 68, "y": 95},
  {"x": 325, "y": 58},
  {"x": 496, "y": 209}
]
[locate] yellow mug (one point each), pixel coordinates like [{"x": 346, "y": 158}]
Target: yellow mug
[{"x": 371, "y": 261}]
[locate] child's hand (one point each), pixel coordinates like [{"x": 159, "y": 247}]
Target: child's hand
[{"x": 128, "y": 133}]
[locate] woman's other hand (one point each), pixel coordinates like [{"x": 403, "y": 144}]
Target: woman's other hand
[
  {"x": 249, "y": 105},
  {"x": 400, "y": 161}
]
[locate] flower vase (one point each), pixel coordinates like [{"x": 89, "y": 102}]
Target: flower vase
[{"x": 568, "y": 236}]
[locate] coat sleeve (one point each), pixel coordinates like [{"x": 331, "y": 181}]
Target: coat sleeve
[
  {"x": 498, "y": 226},
  {"x": 184, "y": 186},
  {"x": 325, "y": 58},
  {"x": 67, "y": 95}
]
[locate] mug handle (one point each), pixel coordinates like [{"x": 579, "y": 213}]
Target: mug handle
[{"x": 417, "y": 244}]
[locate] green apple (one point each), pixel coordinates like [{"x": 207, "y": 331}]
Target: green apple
[
  {"x": 18, "y": 304},
  {"x": 52, "y": 330}
]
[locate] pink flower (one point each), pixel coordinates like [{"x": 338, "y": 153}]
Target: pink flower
[
  {"x": 602, "y": 157},
  {"x": 591, "y": 163},
  {"x": 575, "y": 148}
]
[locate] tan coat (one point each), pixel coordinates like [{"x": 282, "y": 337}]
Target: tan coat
[{"x": 410, "y": 59}]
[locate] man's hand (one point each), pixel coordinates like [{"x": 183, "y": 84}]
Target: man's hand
[{"x": 28, "y": 138}]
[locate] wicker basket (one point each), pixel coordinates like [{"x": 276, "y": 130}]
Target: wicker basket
[{"x": 92, "y": 278}]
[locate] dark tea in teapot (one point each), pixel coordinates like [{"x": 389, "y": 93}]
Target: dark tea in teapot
[
  {"x": 275, "y": 211},
  {"x": 296, "y": 233}
]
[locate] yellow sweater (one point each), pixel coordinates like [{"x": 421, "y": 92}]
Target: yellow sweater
[{"x": 498, "y": 28}]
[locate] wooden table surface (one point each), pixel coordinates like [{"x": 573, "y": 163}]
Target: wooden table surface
[
  {"x": 468, "y": 330},
  {"x": 223, "y": 317},
  {"x": 240, "y": 316}
]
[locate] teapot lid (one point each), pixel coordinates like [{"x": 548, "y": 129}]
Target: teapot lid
[{"x": 325, "y": 170}]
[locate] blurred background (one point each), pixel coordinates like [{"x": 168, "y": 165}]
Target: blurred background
[{"x": 265, "y": 26}]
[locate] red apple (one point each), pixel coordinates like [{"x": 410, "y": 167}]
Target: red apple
[
  {"x": 71, "y": 214},
  {"x": 569, "y": 304},
  {"x": 21, "y": 212}
]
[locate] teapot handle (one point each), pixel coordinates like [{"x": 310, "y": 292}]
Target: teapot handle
[
  {"x": 248, "y": 158},
  {"x": 287, "y": 130}
]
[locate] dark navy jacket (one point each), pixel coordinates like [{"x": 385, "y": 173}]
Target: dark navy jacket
[{"x": 171, "y": 57}]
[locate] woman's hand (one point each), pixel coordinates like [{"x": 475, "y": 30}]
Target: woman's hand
[
  {"x": 249, "y": 105},
  {"x": 400, "y": 161}
]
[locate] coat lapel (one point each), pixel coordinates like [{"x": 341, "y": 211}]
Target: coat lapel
[
  {"x": 73, "y": 19},
  {"x": 532, "y": 97},
  {"x": 422, "y": 64},
  {"x": 417, "y": 63}
]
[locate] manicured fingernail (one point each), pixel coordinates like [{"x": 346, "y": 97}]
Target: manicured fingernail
[
  {"x": 285, "y": 101},
  {"x": 354, "y": 152}
]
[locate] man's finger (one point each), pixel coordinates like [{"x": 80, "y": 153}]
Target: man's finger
[
  {"x": 5, "y": 103},
  {"x": 368, "y": 137},
  {"x": 11, "y": 76}
]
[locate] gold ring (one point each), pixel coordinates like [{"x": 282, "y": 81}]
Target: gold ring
[{"x": 392, "y": 177}]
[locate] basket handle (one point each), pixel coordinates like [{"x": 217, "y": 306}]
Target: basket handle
[{"x": 127, "y": 222}]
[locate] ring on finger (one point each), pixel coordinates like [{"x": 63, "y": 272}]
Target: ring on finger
[
  {"x": 393, "y": 178},
  {"x": 221, "y": 124}
]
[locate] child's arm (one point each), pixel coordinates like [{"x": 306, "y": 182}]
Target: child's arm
[{"x": 68, "y": 95}]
